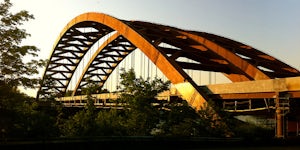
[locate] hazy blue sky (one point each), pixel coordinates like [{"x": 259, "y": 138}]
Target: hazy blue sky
[{"x": 272, "y": 26}]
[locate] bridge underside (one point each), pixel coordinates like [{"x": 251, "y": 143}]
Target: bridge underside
[{"x": 173, "y": 51}]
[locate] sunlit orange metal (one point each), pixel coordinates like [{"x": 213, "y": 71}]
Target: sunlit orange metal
[
  {"x": 239, "y": 62},
  {"x": 173, "y": 72},
  {"x": 92, "y": 59},
  {"x": 116, "y": 48}
]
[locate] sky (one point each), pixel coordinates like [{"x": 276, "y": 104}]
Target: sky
[{"x": 271, "y": 26}]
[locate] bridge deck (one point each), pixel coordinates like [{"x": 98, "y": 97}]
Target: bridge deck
[
  {"x": 256, "y": 89},
  {"x": 238, "y": 97}
]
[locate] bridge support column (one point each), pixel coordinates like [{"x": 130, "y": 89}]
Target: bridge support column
[
  {"x": 282, "y": 108},
  {"x": 279, "y": 124}
]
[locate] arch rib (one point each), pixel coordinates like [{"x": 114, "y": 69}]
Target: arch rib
[
  {"x": 139, "y": 41},
  {"x": 112, "y": 44},
  {"x": 248, "y": 71}
]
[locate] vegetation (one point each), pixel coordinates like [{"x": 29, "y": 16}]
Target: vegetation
[
  {"x": 13, "y": 70},
  {"x": 140, "y": 117},
  {"x": 22, "y": 116},
  {"x": 17, "y": 111}
]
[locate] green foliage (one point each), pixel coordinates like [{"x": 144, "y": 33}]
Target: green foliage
[
  {"x": 179, "y": 120},
  {"x": 13, "y": 70},
  {"x": 50, "y": 94},
  {"x": 9, "y": 96},
  {"x": 137, "y": 119},
  {"x": 111, "y": 122},
  {"x": 140, "y": 123},
  {"x": 138, "y": 87},
  {"x": 33, "y": 122},
  {"x": 142, "y": 116},
  {"x": 251, "y": 131},
  {"x": 23, "y": 117},
  {"x": 83, "y": 122},
  {"x": 214, "y": 125},
  {"x": 20, "y": 114}
]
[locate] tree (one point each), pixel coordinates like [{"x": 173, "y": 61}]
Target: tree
[
  {"x": 139, "y": 94},
  {"x": 33, "y": 122},
  {"x": 14, "y": 71},
  {"x": 20, "y": 114},
  {"x": 180, "y": 120},
  {"x": 83, "y": 122},
  {"x": 138, "y": 90},
  {"x": 214, "y": 125},
  {"x": 111, "y": 122}
]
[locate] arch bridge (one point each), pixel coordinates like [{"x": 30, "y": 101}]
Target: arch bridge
[{"x": 253, "y": 73}]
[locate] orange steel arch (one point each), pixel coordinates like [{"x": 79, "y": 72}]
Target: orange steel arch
[
  {"x": 208, "y": 52},
  {"x": 91, "y": 73}
]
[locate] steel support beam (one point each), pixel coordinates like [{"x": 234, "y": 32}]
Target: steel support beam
[{"x": 291, "y": 84}]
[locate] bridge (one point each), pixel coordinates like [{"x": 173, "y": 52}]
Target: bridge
[{"x": 93, "y": 46}]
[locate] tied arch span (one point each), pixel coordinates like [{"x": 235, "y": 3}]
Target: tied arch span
[{"x": 208, "y": 52}]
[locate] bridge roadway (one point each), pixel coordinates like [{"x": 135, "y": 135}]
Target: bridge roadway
[
  {"x": 107, "y": 100},
  {"x": 237, "y": 93}
]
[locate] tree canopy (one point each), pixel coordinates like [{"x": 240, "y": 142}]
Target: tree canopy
[{"x": 14, "y": 70}]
